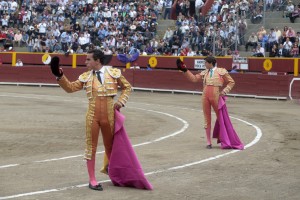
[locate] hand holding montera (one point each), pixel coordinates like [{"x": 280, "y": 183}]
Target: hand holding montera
[
  {"x": 54, "y": 64},
  {"x": 181, "y": 66}
]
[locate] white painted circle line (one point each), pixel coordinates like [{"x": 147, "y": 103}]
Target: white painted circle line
[
  {"x": 256, "y": 139},
  {"x": 48, "y": 97}
]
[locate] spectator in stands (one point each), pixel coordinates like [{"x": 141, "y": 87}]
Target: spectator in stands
[
  {"x": 287, "y": 46},
  {"x": 252, "y": 41},
  {"x": 291, "y": 34},
  {"x": 42, "y": 27},
  {"x": 24, "y": 39},
  {"x": 167, "y": 6},
  {"x": 197, "y": 42},
  {"x": 272, "y": 39},
  {"x": 280, "y": 50},
  {"x": 3, "y": 37},
  {"x": 270, "y": 5},
  {"x": 289, "y": 9},
  {"x": 168, "y": 34},
  {"x": 259, "y": 51},
  {"x": 278, "y": 35},
  {"x": 295, "y": 14},
  {"x": 257, "y": 16},
  {"x": 198, "y": 5},
  {"x": 274, "y": 51},
  {"x": 18, "y": 38},
  {"x": 295, "y": 51},
  {"x": 30, "y": 44},
  {"x": 297, "y": 40},
  {"x": 243, "y": 8}
]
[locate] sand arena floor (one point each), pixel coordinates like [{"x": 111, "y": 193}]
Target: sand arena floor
[{"x": 42, "y": 142}]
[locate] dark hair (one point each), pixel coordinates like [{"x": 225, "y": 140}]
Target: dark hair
[
  {"x": 97, "y": 54},
  {"x": 211, "y": 59}
]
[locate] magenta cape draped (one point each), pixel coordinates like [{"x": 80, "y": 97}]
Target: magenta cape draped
[
  {"x": 224, "y": 130},
  {"x": 124, "y": 167}
]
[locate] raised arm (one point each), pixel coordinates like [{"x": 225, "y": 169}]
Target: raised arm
[
  {"x": 62, "y": 79},
  {"x": 189, "y": 75}
]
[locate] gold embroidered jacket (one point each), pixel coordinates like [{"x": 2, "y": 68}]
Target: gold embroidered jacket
[
  {"x": 112, "y": 79},
  {"x": 218, "y": 79}
]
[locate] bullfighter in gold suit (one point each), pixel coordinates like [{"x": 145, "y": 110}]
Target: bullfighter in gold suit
[
  {"x": 101, "y": 84},
  {"x": 214, "y": 79}
]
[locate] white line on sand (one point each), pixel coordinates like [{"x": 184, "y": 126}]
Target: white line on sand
[{"x": 254, "y": 141}]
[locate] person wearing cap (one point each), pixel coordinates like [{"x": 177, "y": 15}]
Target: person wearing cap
[
  {"x": 101, "y": 84},
  {"x": 214, "y": 78}
]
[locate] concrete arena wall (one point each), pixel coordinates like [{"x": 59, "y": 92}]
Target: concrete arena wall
[{"x": 246, "y": 84}]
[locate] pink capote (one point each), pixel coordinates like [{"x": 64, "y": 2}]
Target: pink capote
[
  {"x": 224, "y": 130},
  {"x": 124, "y": 167}
]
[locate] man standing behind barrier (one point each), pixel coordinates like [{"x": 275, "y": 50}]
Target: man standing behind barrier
[
  {"x": 213, "y": 79},
  {"x": 101, "y": 83}
]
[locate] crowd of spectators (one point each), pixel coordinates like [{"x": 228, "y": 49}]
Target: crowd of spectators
[
  {"x": 125, "y": 27},
  {"x": 78, "y": 25},
  {"x": 223, "y": 30}
]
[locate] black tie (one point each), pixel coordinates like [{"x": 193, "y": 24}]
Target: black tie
[{"x": 98, "y": 76}]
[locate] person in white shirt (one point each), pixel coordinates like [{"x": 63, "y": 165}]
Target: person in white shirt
[
  {"x": 289, "y": 9},
  {"x": 191, "y": 52},
  {"x": 81, "y": 41},
  {"x": 213, "y": 18},
  {"x": 98, "y": 23},
  {"x": 260, "y": 51},
  {"x": 198, "y": 6},
  {"x": 42, "y": 27},
  {"x": 107, "y": 14},
  {"x": 168, "y": 35},
  {"x": 13, "y": 6},
  {"x": 19, "y": 63},
  {"x": 287, "y": 44}
]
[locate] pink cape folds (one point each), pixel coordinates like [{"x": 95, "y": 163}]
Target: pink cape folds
[
  {"x": 124, "y": 167},
  {"x": 224, "y": 130}
]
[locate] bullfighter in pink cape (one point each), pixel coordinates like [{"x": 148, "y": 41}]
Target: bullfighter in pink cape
[
  {"x": 101, "y": 83},
  {"x": 214, "y": 79}
]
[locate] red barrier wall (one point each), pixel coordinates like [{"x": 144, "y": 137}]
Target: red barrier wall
[
  {"x": 163, "y": 62},
  {"x": 250, "y": 84}
]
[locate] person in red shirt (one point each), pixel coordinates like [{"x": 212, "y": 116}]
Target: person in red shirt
[{"x": 3, "y": 37}]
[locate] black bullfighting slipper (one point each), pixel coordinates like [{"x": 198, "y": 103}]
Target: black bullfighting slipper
[
  {"x": 209, "y": 146},
  {"x": 96, "y": 187}
]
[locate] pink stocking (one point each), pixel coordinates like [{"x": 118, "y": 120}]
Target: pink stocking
[
  {"x": 208, "y": 136},
  {"x": 91, "y": 170}
]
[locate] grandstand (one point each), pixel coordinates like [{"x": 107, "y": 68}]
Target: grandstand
[{"x": 121, "y": 27}]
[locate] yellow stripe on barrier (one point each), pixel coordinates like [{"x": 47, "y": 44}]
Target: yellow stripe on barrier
[
  {"x": 14, "y": 59},
  {"x": 74, "y": 60},
  {"x": 296, "y": 66}
]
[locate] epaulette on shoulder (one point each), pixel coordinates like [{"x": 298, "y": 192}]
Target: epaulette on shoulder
[
  {"x": 222, "y": 71},
  {"x": 204, "y": 72},
  {"x": 114, "y": 72},
  {"x": 85, "y": 76}
]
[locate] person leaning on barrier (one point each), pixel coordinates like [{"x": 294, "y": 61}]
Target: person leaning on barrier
[
  {"x": 101, "y": 84},
  {"x": 213, "y": 79}
]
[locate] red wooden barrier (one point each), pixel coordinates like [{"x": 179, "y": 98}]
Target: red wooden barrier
[
  {"x": 250, "y": 84},
  {"x": 163, "y": 62}
]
